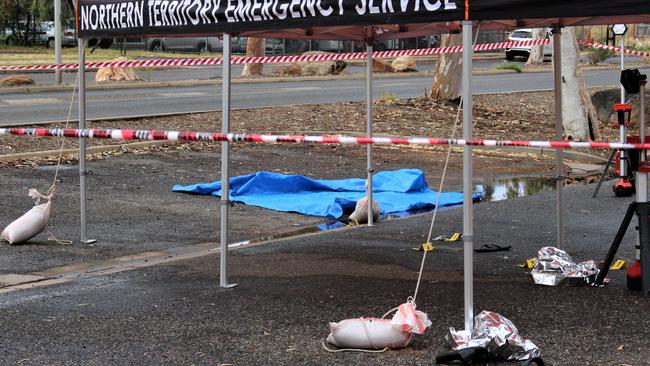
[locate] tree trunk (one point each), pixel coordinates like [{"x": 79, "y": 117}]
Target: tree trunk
[
  {"x": 579, "y": 115},
  {"x": 447, "y": 82},
  {"x": 254, "y": 48},
  {"x": 536, "y": 56}
]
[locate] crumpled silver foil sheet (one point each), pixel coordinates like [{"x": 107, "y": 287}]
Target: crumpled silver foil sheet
[
  {"x": 498, "y": 335},
  {"x": 555, "y": 267}
]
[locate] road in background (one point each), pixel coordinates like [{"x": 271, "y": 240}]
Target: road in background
[{"x": 21, "y": 109}]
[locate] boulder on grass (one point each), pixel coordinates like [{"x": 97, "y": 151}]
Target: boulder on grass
[
  {"x": 404, "y": 64},
  {"x": 321, "y": 68},
  {"x": 17, "y": 80},
  {"x": 110, "y": 74}
]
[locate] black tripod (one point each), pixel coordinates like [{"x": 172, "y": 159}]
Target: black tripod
[
  {"x": 634, "y": 82},
  {"x": 642, "y": 211}
]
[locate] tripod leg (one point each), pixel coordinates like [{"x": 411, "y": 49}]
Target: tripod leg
[
  {"x": 604, "y": 174},
  {"x": 643, "y": 211},
  {"x": 631, "y": 209}
]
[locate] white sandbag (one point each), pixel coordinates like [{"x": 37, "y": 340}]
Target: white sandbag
[
  {"x": 360, "y": 214},
  {"x": 28, "y": 225},
  {"x": 367, "y": 333}
]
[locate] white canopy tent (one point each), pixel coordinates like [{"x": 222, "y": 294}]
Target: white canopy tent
[{"x": 364, "y": 20}]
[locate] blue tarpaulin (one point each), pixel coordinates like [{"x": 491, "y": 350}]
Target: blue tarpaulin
[{"x": 395, "y": 191}]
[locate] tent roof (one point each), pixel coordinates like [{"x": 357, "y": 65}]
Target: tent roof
[{"x": 342, "y": 19}]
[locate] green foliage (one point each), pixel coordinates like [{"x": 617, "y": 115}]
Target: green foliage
[
  {"x": 20, "y": 19},
  {"x": 509, "y": 66},
  {"x": 597, "y": 55}
]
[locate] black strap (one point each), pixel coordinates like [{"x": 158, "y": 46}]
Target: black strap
[
  {"x": 486, "y": 248},
  {"x": 535, "y": 361},
  {"x": 466, "y": 356}
]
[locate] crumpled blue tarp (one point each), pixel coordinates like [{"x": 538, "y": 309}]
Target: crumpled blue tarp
[{"x": 395, "y": 191}]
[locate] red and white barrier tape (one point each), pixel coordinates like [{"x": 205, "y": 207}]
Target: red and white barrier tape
[
  {"x": 186, "y": 62},
  {"x": 116, "y": 134},
  {"x": 618, "y": 49}
]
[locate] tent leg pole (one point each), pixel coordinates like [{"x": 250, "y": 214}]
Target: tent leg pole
[
  {"x": 369, "y": 131},
  {"x": 82, "y": 142},
  {"x": 559, "y": 164},
  {"x": 468, "y": 190},
  {"x": 225, "y": 152}
]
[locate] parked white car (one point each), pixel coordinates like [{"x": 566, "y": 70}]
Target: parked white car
[{"x": 525, "y": 34}]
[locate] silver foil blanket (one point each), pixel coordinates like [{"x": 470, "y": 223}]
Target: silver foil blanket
[
  {"x": 555, "y": 267},
  {"x": 498, "y": 335}
]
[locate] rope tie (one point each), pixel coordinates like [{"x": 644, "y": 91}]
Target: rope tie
[{"x": 49, "y": 196}]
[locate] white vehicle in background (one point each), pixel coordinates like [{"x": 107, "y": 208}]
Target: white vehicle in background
[
  {"x": 525, "y": 34},
  {"x": 186, "y": 44}
]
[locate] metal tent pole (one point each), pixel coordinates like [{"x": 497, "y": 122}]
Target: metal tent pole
[
  {"x": 468, "y": 189},
  {"x": 559, "y": 156},
  {"x": 369, "y": 130},
  {"x": 82, "y": 141},
  {"x": 225, "y": 152},
  {"x": 57, "y": 40}
]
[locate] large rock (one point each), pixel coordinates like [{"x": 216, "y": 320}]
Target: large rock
[
  {"x": 379, "y": 66},
  {"x": 404, "y": 64},
  {"x": 109, "y": 74},
  {"x": 604, "y": 101},
  {"x": 17, "y": 80},
  {"x": 322, "y": 68}
]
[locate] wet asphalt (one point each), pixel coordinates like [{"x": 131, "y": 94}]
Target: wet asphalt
[{"x": 288, "y": 290}]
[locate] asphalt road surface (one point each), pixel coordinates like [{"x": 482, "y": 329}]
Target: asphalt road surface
[{"x": 23, "y": 109}]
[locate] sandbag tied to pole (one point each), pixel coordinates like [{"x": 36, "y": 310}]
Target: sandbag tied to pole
[
  {"x": 362, "y": 211},
  {"x": 32, "y": 223},
  {"x": 380, "y": 333}
]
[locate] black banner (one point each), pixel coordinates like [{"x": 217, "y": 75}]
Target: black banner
[{"x": 178, "y": 17}]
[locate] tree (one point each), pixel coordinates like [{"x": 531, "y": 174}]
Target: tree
[
  {"x": 254, "y": 48},
  {"x": 579, "y": 115},
  {"x": 447, "y": 81},
  {"x": 536, "y": 56},
  {"x": 21, "y": 17}
]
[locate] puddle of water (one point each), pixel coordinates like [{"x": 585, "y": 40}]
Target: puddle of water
[{"x": 501, "y": 189}]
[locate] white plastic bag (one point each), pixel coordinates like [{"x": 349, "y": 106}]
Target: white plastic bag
[
  {"x": 367, "y": 333},
  {"x": 30, "y": 224},
  {"x": 411, "y": 320},
  {"x": 360, "y": 214}
]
